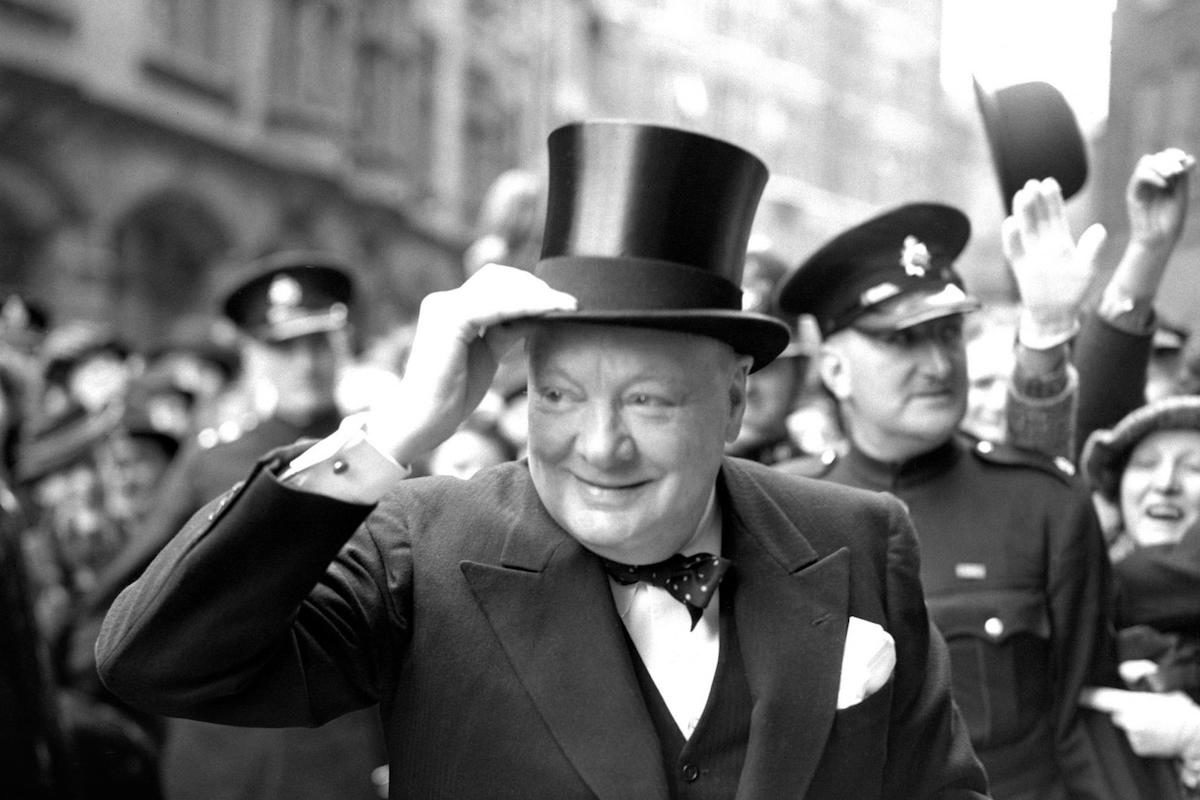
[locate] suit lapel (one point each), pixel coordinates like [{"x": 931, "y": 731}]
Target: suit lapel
[
  {"x": 550, "y": 605},
  {"x": 791, "y": 612}
]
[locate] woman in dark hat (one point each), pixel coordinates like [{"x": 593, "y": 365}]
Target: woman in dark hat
[{"x": 1147, "y": 467}]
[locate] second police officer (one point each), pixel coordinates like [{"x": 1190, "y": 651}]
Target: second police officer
[{"x": 1012, "y": 557}]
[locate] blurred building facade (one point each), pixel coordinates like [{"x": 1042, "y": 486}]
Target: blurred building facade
[
  {"x": 1154, "y": 102},
  {"x": 841, "y": 98},
  {"x": 148, "y": 147}
]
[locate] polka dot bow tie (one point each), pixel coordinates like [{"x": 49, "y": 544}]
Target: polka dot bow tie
[{"x": 689, "y": 579}]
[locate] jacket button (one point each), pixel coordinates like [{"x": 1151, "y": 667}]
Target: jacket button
[
  {"x": 689, "y": 772},
  {"x": 994, "y": 627}
]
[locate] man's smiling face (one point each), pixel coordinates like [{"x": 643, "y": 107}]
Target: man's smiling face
[{"x": 627, "y": 427}]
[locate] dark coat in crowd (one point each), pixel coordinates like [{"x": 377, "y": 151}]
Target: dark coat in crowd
[
  {"x": 1018, "y": 581},
  {"x": 211, "y": 762},
  {"x": 1158, "y": 620}
]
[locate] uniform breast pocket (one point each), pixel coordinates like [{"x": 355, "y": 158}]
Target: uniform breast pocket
[{"x": 999, "y": 643}]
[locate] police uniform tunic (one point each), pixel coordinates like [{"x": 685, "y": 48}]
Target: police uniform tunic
[{"x": 1016, "y": 578}]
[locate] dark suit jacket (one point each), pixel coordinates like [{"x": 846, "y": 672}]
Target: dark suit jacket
[{"x": 490, "y": 639}]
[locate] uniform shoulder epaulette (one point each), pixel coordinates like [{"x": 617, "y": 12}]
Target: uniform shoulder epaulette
[
  {"x": 227, "y": 431},
  {"x": 1008, "y": 455}
]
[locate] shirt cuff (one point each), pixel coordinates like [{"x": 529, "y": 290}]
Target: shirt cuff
[{"x": 345, "y": 466}]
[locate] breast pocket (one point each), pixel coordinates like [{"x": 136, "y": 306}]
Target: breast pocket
[{"x": 999, "y": 642}]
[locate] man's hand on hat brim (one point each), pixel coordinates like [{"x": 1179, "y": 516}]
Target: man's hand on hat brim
[{"x": 461, "y": 335}]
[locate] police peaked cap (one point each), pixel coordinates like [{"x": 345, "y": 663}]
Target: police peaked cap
[
  {"x": 289, "y": 294},
  {"x": 891, "y": 272}
]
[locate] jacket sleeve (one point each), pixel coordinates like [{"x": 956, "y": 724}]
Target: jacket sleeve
[
  {"x": 1044, "y": 424},
  {"x": 1112, "y": 366},
  {"x": 245, "y": 617},
  {"x": 929, "y": 749}
]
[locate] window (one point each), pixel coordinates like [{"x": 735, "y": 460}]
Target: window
[
  {"x": 191, "y": 28},
  {"x": 491, "y": 129},
  {"x": 391, "y": 119},
  {"x": 192, "y": 44},
  {"x": 310, "y": 62},
  {"x": 51, "y": 13}
]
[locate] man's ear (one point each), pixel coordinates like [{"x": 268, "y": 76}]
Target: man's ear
[
  {"x": 739, "y": 374},
  {"x": 834, "y": 369}
]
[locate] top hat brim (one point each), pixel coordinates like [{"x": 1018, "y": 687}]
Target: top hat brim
[{"x": 759, "y": 336}]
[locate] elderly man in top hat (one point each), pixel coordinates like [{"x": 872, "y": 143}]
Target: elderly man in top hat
[
  {"x": 1012, "y": 557},
  {"x": 518, "y": 629},
  {"x": 292, "y": 311}
]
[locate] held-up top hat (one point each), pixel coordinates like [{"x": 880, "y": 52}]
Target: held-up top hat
[
  {"x": 1032, "y": 134},
  {"x": 648, "y": 226},
  {"x": 290, "y": 294},
  {"x": 1106, "y": 452},
  {"x": 889, "y": 273}
]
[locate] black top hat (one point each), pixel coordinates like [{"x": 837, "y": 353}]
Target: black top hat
[
  {"x": 888, "y": 273},
  {"x": 1032, "y": 134},
  {"x": 289, "y": 294},
  {"x": 648, "y": 226}
]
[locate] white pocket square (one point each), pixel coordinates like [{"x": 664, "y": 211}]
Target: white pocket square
[{"x": 867, "y": 661}]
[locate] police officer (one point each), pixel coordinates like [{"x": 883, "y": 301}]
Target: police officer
[
  {"x": 1012, "y": 558},
  {"x": 292, "y": 311}
]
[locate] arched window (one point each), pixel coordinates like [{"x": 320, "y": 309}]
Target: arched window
[{"x": 163, "y": 251}]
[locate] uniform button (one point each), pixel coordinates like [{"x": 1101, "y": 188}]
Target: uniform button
[
  {"x": 994, "y": 627},
  {"x": 689, "y": 772},
  {"x": 985, "y": 447}
]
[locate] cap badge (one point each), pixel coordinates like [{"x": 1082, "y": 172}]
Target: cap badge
[
  {"x": 284, "y": 296},
  {"x": 914, "y": 257}
]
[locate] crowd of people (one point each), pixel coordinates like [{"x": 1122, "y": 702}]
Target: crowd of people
[{"x": 263, "y": 559}]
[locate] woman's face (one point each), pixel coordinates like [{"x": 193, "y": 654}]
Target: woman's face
[{"x": 1160, "y": 487}]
